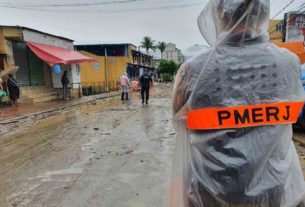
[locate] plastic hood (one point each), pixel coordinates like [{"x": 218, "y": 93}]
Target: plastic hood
[{"x": 226, "y": 22}]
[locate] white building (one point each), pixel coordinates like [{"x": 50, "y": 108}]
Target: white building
[
  {"x": 194, "y": 50},
  {"x": 171, "y": 52}
]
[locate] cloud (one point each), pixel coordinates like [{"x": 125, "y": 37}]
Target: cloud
[{"x": 113, "y": 21}]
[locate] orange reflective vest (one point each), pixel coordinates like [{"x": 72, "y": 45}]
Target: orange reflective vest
[{"x": 244, "y": 116}]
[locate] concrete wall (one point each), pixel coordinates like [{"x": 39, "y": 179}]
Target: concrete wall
[
  {"x": 9, "y": 53},
  {"x": 89, "y": 73},
  {"x": 33, "y": 36},
  {"x": 12, "y": 33},
  {"x": 116, "y": 66},
  {"x": 2, "y": 49},
  {"x": 6, "y": 46}
]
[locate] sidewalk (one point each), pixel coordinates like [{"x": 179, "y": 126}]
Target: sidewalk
[{"x": 31, "y": 109}]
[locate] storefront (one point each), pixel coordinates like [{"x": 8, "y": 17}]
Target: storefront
[
  {"x": 113, "y": 60},
  {"x": 36, "y": 53},
  {"x": 30, "y": 71}
]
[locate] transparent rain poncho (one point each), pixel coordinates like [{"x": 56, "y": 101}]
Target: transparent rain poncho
[{"x": 255, "y": 166}]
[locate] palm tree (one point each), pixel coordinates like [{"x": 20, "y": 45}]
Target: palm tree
[
  {"x": 148, "y": 44},
  {"x": 161, "y": 46}
]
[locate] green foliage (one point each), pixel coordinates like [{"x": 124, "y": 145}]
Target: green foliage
[
  {"x": 167, "y": 67},
  {"x": 148, "y": 44},
  {"x": 161, "y": 46},
  {"x": 167, "y": 77}
]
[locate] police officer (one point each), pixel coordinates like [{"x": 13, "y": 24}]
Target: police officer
[
  {"x": 237, "y": 165},
  {"x": 146, "y": 82}
]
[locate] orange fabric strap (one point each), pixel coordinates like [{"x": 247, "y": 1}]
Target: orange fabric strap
[{"x": 244, "y": 116}]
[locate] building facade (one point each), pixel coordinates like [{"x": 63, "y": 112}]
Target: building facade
[
  {"x": 276, "y": 31},
  {"x": 171, "y": 52},
  {"x": 37, "y": 80},
  {"x": 113, "y": 60}
]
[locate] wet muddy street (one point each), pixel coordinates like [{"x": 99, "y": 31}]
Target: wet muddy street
[
  {"x": 109, "y": 154},
  {"x": 104, "y": 154}
]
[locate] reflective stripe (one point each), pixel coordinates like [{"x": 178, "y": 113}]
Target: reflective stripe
[{"x": 244, "y": 116}]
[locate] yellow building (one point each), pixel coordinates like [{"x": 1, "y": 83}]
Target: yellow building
[
  {"x": 274, "y": 31},
  {"x": 113, "y": 60}
]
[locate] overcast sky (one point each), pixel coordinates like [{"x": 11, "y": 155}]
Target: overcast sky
[{"x": 116, "y": 21}]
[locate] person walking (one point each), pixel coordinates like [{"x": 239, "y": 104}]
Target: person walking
[
  {"x": 145, "y": 82},
  {"x": 233, "y": 109},
  {"x": 125, "y": 84},
  {"x": 13, "y": 90},
  {"x": 65, "y": 83},
  {"x": 2, "y": 92}
]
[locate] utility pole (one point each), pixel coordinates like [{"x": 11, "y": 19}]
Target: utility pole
[{"x": 106, "y": 71}]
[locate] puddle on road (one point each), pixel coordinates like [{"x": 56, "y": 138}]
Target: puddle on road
[
  {"x": 58, "y": 117},
  {"x": 63, "y": 149},
  {"x": 39, "y": 122}
]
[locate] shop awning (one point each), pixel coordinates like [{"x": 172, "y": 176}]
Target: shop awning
[
  {"x": 295, "y": 47},
  {"x": 57, "y": 55}
]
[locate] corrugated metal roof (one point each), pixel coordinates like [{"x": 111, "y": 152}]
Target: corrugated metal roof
[
  {"x": 106, "y": 44},
  {"x": 34, "y": 30}
]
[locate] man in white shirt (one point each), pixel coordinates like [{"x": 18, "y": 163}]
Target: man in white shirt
[{"x": 125, "y": 84}]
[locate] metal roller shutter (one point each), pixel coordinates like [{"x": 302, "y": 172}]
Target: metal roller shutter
[
  {"x": 21, "y": 60},
  {"x": 36, "y": 70}
]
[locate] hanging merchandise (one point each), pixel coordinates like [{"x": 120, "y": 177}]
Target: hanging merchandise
[
  {"x": 233, "y": 106},
  {"x": 57, "y": 69}
]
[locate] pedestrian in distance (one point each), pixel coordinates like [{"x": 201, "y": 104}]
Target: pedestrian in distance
[
  {"x": 13, "y": 90},
  {"x": 125, "y": 85},
  {"x": 65, "y": 83},
  {"x": 146, "y": 82},
  {"x": 2, "y": 92},
  {"x": 233, "y": 108}
]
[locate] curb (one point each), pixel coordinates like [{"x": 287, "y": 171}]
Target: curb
[{"x": 82, "y": 102}]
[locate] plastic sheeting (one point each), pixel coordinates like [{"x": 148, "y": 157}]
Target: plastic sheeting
[{"x": 256, "y": 166}]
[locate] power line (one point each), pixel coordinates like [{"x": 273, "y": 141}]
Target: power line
[
  {"x": 39, "y": 5},
  {"x": 301, "y": 11},
  {"x": 9, "y": 4},
  {"x": 285, "y": 7},
  {"x": 198, "y": 2}
]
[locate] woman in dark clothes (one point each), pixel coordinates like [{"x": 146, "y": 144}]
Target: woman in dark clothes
[
  {"x": 13, "y": 90},
  {"x": 65, "y": 82}
]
